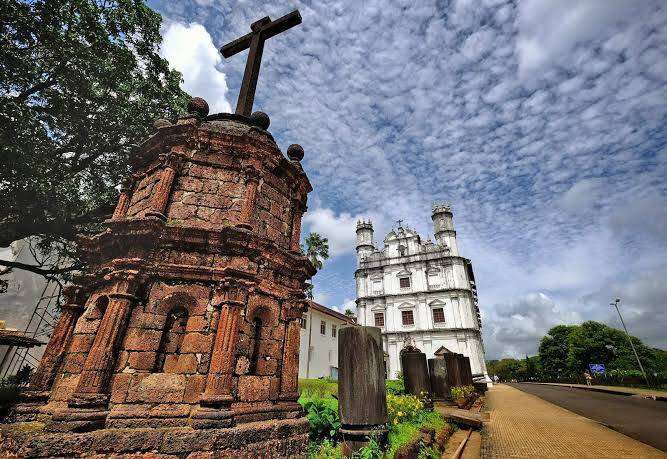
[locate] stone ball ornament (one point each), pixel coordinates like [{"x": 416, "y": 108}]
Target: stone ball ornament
[
  {"x": 260, "y": 119},
  {"x": 295, "y": 152},
  {"x": 198, "y": 106},
  {"x": 161, "y": 123}
]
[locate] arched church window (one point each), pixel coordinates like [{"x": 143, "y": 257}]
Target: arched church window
[
  {"x": 172, "y": 338},
  {"x": 256, "y": 343}
]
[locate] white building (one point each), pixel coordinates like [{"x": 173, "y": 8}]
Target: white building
[
  {"x": 417, "y": 291},
  {"x": 318, "y": 352}
]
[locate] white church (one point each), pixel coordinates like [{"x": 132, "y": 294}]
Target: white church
[{"x": 421, "y": 292}]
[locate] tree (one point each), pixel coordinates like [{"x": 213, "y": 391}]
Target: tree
[
  {"x": 349, "y": 312},
  {"x": 567, "y": 350},
  {"x": 553, "y": 351},
  {"x": 317, "y": 250},
  {"x": 80, "y": 82}
]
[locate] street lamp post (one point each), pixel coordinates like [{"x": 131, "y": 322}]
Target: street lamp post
[{"x": 615, "y": 304}]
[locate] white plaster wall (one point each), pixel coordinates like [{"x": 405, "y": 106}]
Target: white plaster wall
[{"x": 323, "y": 348}]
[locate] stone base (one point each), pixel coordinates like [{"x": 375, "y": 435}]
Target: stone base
[
  {"x": 356, "y": 437},
  {"x": 285, "y": 438}
]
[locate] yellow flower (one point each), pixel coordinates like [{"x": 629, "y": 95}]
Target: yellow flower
[{"x": 400, "y": 413}]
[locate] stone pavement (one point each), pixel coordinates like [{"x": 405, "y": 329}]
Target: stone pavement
[{"x": 524, "y": 426}]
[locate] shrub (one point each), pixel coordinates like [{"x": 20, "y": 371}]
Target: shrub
[
  {"x": 322, "y": 415},
  {"x": 462, "y": 391},
  {"x": 402, "y": 408},
  {"x": 395, "y": 386},
  {"x": 406, "y": 435},
  {"x": 9, "y": 395}
]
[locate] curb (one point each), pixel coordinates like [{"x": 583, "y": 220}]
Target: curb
[{"x": 660, "y": 398}]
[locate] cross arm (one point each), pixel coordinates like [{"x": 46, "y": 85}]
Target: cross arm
[{"x": 269, "y": 30}]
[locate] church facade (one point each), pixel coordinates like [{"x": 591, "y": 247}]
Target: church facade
[{"x": 419, "y": 292}]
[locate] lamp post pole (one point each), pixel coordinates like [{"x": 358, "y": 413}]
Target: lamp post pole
[{"x": 615, "y": 304}]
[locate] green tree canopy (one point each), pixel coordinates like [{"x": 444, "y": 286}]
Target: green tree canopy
[
  {"x": 567, "y": 350},
  {"x": 80, "y": 82}
]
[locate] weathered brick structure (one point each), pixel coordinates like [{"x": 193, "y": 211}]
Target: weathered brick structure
[{"x": 184, "y": 328}]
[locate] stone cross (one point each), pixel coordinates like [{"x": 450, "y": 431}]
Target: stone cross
[{"x": 262, "y": 30}]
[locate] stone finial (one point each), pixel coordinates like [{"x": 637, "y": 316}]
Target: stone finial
[
  {"x": 161, "y": 123},
  {"x": 198, "y": 106},
  {"x": 295, "y": 152},
  {"x": 261, "y": 120}
]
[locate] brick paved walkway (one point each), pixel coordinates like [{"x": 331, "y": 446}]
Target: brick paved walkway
[{"x": 522, "y": 425}]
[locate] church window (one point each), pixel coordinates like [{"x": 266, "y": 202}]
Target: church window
[
  {"x": 172, "y": 337},
  {"x": 334, "y": 330},
  {"x": 257, "y": 341},
  {"x": 323, "y": 328},
  {"x": 404, "y": 282},
  {"x": 379, "y": 319},
  {"x": 407, "y": 317},
  {"x": 304, "y": 322},
  {"x": 438, "y": 315}
]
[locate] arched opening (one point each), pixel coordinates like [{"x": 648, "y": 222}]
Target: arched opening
[
  {"x": 98, "y": 309},
  {"x": 172, "y": 338},
  {"x": 256, "y": 343}
]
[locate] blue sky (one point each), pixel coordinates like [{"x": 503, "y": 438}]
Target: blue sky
[{"x": 543, "y": 123}]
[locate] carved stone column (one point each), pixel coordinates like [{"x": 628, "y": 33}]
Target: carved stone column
[
  {"x": 292, "y": 312},
  {"x": 39, "y": 389},
  {"x": 214, "y": 410},
  {"x": 253, "y": 177},
  {"x": 88, "y": 405},
  {"x": 123, "y": 200},
  {"x": 299, "y": 210},
  {"x": 160, "y": 196}
]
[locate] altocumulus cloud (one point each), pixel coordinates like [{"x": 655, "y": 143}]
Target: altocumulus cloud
[{"x": 542, "y": 122}]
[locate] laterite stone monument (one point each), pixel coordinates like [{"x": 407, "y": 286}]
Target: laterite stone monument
[{"x": 181, "y": 338}]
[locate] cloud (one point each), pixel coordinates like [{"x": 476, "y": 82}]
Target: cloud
[
  {"x": 549, "y": 30},
  {"x": 340, "y": 229},
  {"x": 541, "y": 122},
  {"x": 190, "y": 50}
]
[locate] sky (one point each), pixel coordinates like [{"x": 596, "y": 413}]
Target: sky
[{"x": 542, "y": 123}]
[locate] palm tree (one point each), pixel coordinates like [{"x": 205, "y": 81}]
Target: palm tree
[{"x": 317, "y": 250}]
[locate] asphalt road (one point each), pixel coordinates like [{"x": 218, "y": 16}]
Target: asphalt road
[{"x": 641, "y": 419}]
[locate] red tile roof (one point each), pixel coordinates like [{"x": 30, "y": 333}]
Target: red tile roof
[{"x": 331, "y": 312}]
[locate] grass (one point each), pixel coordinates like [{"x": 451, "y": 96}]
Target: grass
[
  {"x": 318, "y": 388},
  {"x": 406, "y": 432}
]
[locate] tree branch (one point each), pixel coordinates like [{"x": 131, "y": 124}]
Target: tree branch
[
  {"x": 23, "y": 96},
  {"x": 36, "y": 269}
]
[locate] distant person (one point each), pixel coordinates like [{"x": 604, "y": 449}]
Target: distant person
[
  {"x": 495, "y": 379},
  {"x": 588, "y": 377}
]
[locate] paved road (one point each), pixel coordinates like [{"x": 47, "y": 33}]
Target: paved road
[{"x": 641, "y": 419}]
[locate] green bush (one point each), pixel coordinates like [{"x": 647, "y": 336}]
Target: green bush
[
  {"x": 402, "y": 408},
  {"x": 395, "y": 386},
  {"x": 318, "y": 388},
  {"x": 462, "y": 391},
  {"x": 9, "y": 395},
  {"x": 322, "y": 415}
]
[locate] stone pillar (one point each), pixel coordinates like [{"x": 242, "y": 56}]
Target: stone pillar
[
  {"x": 88, "y": 405},
  {"x": 415, "y": 375},
  {"x": 362, "y": 398},
  {"x": 160, "y": 196},
  {"x": 299, "y": 210},
  {"x": 39, "y": 389},
  {"x": 289, "y": 376},
  {"x": 453, "y": 369},
  {"x": 253, "y": 177},
  {"x": 437, "y": 369},
  {"x": 123, "y": 200},
  {"x": 214, "y": 409}
]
